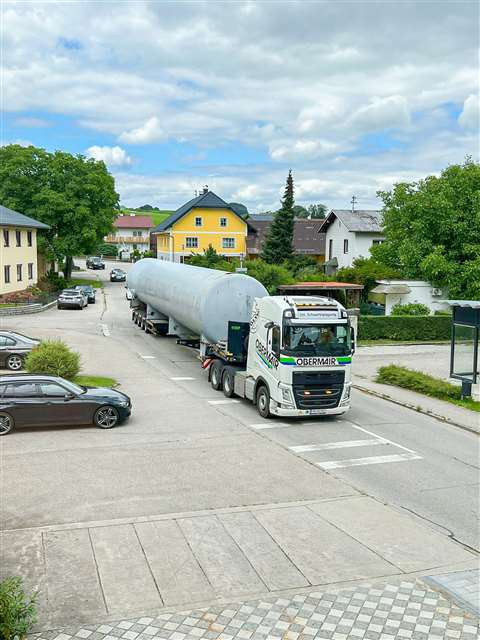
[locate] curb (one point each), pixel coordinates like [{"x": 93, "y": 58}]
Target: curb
[{"x": 416, "y": 408}]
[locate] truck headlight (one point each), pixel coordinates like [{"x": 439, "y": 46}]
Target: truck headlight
[
  {"x": 286, "y": 394},
  {"x": 346, "y": 392}
]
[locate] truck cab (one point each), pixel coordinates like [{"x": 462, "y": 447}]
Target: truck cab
[{"x": 299, "y": 357}]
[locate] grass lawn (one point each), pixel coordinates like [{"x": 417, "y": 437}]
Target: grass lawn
[
  {"x": 97, "y": 284},
  {"x": 423, "y": 383},
  {"x": 96, "y": 381}
]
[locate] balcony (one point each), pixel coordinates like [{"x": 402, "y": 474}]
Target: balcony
[{"x": 127, "y": 239}]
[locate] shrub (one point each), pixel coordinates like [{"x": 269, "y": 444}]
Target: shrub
[
  {"x": 53, "y": 358},
  {"x": 17, "y": 611},
  {"x": 404, "y": 328},
  {"x": 270, "y": 275},
  {"x": 411, "y": 309},
  {"x": 52, "y": 282},
  {"x": 418, "y": 381}
]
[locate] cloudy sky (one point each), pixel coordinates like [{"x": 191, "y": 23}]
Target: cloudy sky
[{"x": 353, "y": 96}]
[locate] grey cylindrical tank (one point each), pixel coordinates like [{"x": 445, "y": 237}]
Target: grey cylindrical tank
[{"x": 202, "y": 300}]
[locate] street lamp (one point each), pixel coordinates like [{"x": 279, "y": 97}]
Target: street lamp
[{"x": 464, "y": 361}]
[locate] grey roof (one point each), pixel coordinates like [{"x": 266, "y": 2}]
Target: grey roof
[
  {"x": 306, "y": 237},
  {"x": 11, "y": 218},
  {"x": 207, "y": 200},
  {"x": 359, "y": 221},
  {"x": 473, "y": 304}
]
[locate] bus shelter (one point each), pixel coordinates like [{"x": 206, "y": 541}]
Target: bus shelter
[{"x": 464, "y": 361}]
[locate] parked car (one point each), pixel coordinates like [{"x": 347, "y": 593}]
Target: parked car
[
  {"x": 43, "y": 401},
  {"x": 14, "y": 347},
  {"x": 94, "y": 262},
  {"x": 88, "y": 290},
  {"x": 71, "y": 299},
  {"x": 118, "y": 275}
]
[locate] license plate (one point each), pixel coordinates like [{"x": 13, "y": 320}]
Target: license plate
[{"x": 312, "y": 412}]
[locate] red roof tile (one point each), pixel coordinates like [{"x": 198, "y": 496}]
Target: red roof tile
[{"x": 133, "y": 222}]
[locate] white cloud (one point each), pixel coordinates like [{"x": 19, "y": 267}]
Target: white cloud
[
  {"x": 302, "y": 149},
  {"x": 31, "y": 122},
  {"x": 470, "y": 116},
  {"x": 148, "y": 132},
  {"x": 382, "y": 113},
  {"x": 112, "y": 156}
]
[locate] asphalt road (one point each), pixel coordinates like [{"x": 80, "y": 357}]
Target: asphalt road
[{"x": 187, "y": 448}]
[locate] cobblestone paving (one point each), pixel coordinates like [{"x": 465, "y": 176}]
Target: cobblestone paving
[{"x": 408, "y": 609}]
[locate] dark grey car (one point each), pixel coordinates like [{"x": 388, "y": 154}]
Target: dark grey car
[
  {"x": 88, "y": 290},
  {"x": 14, "y": 347},
  {"x": 44, "y": 401}
]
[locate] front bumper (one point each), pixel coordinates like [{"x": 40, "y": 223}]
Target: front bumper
[
  {"x": 72, "y": 305},
  {"x": 306, "y": 413}
]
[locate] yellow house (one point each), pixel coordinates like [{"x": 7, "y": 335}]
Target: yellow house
[
  {"x": 205, "y": 220},
  {"x": 18, "y": 250}
]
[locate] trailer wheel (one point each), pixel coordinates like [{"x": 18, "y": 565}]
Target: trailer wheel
[
  {"x": 228, "y": 380},
  {"x": 263, "y": 402},
  {"x": 216, "y": 375}
]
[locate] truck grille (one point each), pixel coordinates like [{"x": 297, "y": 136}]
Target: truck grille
[{"x": 318, "y": 390}]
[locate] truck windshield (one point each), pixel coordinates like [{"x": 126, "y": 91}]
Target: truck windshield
[{"x": 317, "y": 340}]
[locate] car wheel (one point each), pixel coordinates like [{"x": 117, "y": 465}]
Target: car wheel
[
  {"x": 6, "y": 423},
  {"x": 263, "y": 402},
  {"x": 14, "y": 362},
  {"x": 216, "y": 375},
  {"x": 106, "y": 417},
  {"x": 228, "y": 382}
]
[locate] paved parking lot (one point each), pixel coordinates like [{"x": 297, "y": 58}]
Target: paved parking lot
[{"x": 196, "y": 498}]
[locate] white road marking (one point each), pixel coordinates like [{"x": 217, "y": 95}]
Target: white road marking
[
  {"x": 226, "y": 401},
  {"x": 270, "y": 425},
  {"x": 385, "y": 440},
  {"x": 344, "y": 444},
  {"x": 357, "y": 462},
  {"x": 147, "y": 357},
  {"x": 105, "y": 330},
  {"x": 180, "y": 378}
]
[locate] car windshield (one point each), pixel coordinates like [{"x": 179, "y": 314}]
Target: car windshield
[
  {"x": 74, "y": 388},
  {"x": 317, "y": 340},
  {"x": 70, "y": 294},
  {"x": 83, "y": 287}
]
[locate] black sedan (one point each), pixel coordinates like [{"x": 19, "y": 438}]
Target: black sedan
[
  {"x": 118, "y": 275},
  {"x": 48, "y": 401},
  {"x": 88, "y": 290},
  {"x": 14, "y": 347},
  {"x": 95, "y": 262}
]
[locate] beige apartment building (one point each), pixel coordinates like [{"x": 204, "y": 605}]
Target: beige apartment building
[{"x": 18, "y": 250}]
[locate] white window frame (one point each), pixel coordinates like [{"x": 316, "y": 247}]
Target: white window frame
[
  {"x": 197, "y": 223},
  {"x": 228, "y": 243},
  {"x": 223, "y": 219},
  {"x": 191, "y": 242}
]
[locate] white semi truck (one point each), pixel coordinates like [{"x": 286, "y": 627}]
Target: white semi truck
[{"x": 290, "y": 356}]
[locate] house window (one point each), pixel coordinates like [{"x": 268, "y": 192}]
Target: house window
[
  {"x": 191, "y": 243},
  {"x": 228, "y": 243},
  {"x": 223, "y": 222},
  {"x": 330, "y": 249},
  {"x": 29, "y": 238},
  {"x": 18, "y": 238},
  {"x": 6, "y": 238},
  {"x": 19, "y": 272},
  {"x": 198, "y": 222},
  {"x": 30, "y": 270},
  {"x": 6, "y": 273},
  {"x": 375, "y": 242},
  {"x": 345, "y": 246}
]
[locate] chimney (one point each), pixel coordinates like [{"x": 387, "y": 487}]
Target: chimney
[{"x": 205, "y": 189}]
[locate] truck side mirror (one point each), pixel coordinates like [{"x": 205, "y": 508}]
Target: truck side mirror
[{"x": 352, "y": 338}]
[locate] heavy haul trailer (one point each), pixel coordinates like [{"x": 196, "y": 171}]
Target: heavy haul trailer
[{"x": 290, "y": 356}]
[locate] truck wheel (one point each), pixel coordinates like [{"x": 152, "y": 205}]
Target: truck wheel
[
  {"x": 216, "y": 375},
  {"x": 263, "y": 402},
  {"x": 228, "y": 382}
]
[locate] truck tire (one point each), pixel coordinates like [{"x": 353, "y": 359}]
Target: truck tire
[
  {"x": 216, "y": 375},
  {"x": 228, "y": 382},
  {"x": 263, "y": 401}
]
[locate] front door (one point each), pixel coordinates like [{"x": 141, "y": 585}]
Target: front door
[{"x": 63, "y": 407}]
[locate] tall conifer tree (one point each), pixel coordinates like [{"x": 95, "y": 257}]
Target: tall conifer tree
[{"x": 278, "y": 244}]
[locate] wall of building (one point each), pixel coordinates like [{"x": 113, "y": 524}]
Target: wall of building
[
  {"x": 174, "y": 242},
  {"x": 358, "y": 243},
  {"x": 13, "y": 256},
  {"x": 421, "y": 292}
]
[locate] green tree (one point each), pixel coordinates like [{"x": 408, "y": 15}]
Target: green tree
[
  {"x": 317, "y": 210},
  {"x": 145, "y": 207},
  {"x": 432, "y": 229},
  {"x": 270, "y": 275},
  {"x": 366, "y": 271},
  {"x": 210, "y": 259},
  {"x": 299, "y": 211},
  {"x": 74, "y": 195},
  {"x": 278, "y": 244}
]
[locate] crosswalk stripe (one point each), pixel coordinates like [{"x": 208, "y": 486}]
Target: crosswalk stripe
[
  {"x": 344, "y": 444},
  {"x": 357, "y": 462},
  {"x": 226, "y": 401},
  {"x": 181, "y": 378},
  {"x": 270, "y": 425}
]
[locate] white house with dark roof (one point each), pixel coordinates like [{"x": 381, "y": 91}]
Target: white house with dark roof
[{"x": 351, "y": 234}]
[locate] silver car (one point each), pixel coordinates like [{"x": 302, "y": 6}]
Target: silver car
[{"x": 71, "y": 299}]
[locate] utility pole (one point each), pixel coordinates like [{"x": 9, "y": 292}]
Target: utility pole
[{"x": 353, "y": 201}]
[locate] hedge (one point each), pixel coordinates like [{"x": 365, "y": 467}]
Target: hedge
[{"x": 404, "y": 328}]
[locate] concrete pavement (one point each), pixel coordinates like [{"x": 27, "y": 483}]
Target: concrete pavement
[{"x": 233, "y": 506}]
